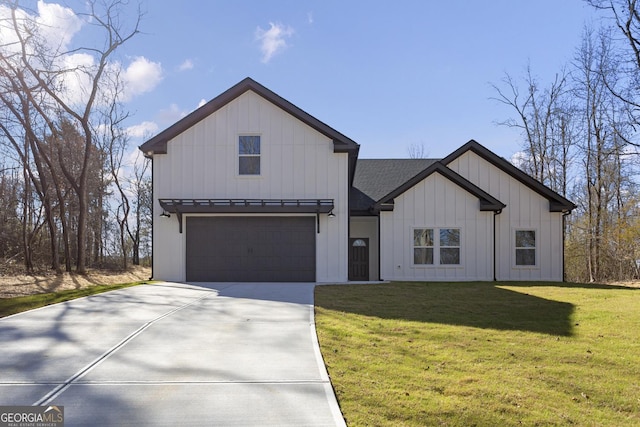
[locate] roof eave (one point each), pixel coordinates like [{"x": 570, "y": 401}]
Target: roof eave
[
  {"x": 555, "y": 206},
  {"x": 486, "y": 205},
  {"x": 158, "y": 143},
  {"x": 557, "y": 203},
  {"x": 487, "y": 202},
  {"x": 153, "y": 149}
]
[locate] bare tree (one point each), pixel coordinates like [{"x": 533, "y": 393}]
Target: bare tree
[
  {"x": 577, "y": 139},
  {"x": 22, "y": 130},
  {"x": 544, "y": 116},
  {"x": 418, "y": 151},
  {"x": 115, "y": 141},
  {"x": 64, "y": 154},
  {"x": 142, "y": 204},
  {"x": 9, "y": 193},
  {"x": 605, "y": 136},
  {"x": 37, "y": 71},
  {"x": 625, "y": 16},
  {"x": 132, "y": 202}
]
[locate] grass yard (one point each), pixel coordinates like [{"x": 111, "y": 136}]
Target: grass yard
[{"x": 482, "y": 354}]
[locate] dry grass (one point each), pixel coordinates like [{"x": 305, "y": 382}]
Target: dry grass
[{"x": 17, "y": 285}]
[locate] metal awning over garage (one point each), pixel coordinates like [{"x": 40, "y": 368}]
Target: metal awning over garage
[{"x": 258, "y": 206}]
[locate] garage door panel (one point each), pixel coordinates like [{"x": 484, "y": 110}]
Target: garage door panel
[{"x": 251, "y": 249}]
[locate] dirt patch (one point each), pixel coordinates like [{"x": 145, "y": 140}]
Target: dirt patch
[
  {"x": 628, "y": 284},
  {"x": 16, "y": 285}
]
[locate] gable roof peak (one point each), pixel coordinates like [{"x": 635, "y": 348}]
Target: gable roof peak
[
  {"x": 158, "y": 143},
  {"x": 557, "y": 202},
  {"x": 487, "y": 202}
]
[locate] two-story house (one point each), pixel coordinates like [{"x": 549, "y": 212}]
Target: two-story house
[{"x": 250, "y": 188}]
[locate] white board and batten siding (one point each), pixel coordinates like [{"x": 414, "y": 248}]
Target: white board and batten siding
[
  {"x": 296, "y": 162},
  {"x": 526, "y": 210},
  {"x": 436, "y": 202}
]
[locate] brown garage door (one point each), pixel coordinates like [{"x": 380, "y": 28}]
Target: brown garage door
[{"x": 251, "y": 249}]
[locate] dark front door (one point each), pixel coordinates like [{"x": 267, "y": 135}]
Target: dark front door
[
  {"x": 358, "y": 259},
  {"x": 251, "y": 249}
]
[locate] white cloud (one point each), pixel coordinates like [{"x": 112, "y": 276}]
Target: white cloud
[
  {"x": 630, "y": 150},
  {"x": 520, "y": 159},
  {"x": 77, "y": 85},
  {"x": 58, "y": 24},
  {"x": 310, "y": 17},
  {"x": 186, "y": 65},
  {"x": 58, "y": 28},
  {"x": 142, "y": 130},
  {"x": 171, "y": 115},
  {"x": 272, "y": 41},
  {"x": 141, "y": 76}
]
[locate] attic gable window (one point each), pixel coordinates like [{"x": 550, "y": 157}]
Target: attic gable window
[{"x": 249, "y": 155}]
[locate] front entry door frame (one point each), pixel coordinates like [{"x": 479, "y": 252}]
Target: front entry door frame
[{"x": 359, "y": 258}]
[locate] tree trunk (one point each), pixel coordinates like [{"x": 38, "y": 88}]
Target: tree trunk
[{"x": 26, "y": 215}]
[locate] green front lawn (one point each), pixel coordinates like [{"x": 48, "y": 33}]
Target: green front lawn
[{"x": 482, "y": 354}]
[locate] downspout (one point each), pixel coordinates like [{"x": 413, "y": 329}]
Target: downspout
[
  {"x": 495, "y": 246},
  {"x": 379, "y": 249},
  {"x": 564, "y": 235},
  {"x": 153, "y": 215}
]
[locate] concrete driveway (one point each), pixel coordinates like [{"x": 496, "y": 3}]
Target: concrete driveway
[{"x": 172, "y": 354}]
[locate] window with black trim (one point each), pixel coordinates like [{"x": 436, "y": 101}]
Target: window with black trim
[
  {"x": 249, "y": 155},
  {"x": 436, "y": 246},
  {"x": 525, "y": 247}
]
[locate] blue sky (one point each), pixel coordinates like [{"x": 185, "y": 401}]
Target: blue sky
[{"x": 386, "y": 74}]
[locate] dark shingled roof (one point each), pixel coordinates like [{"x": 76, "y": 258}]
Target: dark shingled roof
[{"x": 375, "y": 178}]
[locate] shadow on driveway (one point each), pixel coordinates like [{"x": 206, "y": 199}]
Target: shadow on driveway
[{"x": 172, "y": 353}]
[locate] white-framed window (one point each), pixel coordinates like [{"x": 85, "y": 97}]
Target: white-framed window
[
  {"x": 423, "y": 245},
  {"x": 436, "y": 246},
  {"x": 249, "y": 155},
  {"x": 449, "y": 246},
  {"x": 525, "y": 247}
]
